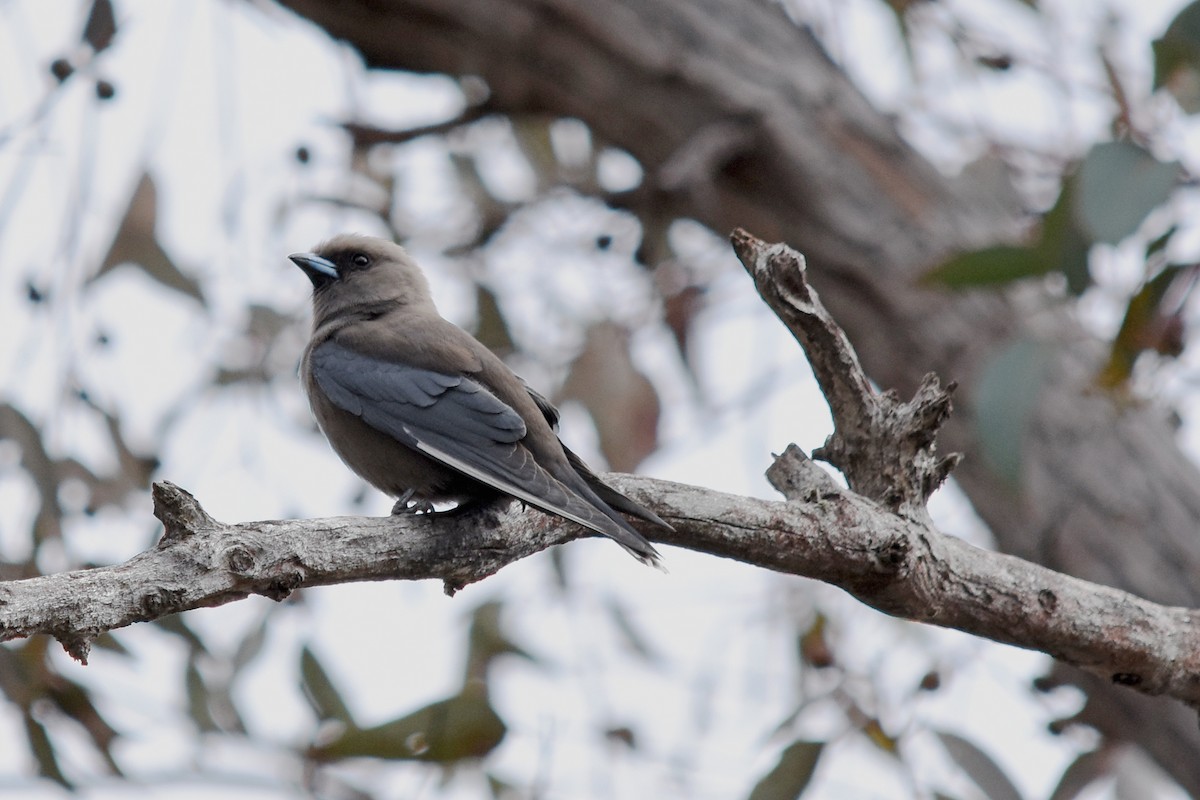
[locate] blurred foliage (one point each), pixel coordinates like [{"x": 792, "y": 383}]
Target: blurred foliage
[
  {"x": 980, "y": 767},
  {"x": 456, "y": 729},
  {"x": 1177, "y": 59},
  {"x": 1118, "y": 192},
  {"x": 1104, "y": 200},
  {"x": 791, "y": 775},
  {"x": 1008, "y": 393}
]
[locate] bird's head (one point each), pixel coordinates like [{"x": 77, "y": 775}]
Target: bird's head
[{"x": 353, "y": 271}]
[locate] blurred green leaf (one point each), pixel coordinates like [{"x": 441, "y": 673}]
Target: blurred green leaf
[
  {"x": 1061, "y": 247},
  {"x": 531, "y": 133},
  {"x": 1147, "y": 325},
  {"x": 499, "y": 788},
  {"x": 873, "y": 730},
  {"x": 813, "y": 644},
  {"x": 979, "y": 767},
  {"x": 989, "y": 267},
  {"x": 1085, "y": 770},
  {"x": 322, "y": 695},
  {"x": 198, "y": 699},
  {"x": 900, "y": 9},
  {"x": 1156, "y": 246},
  {"x": 251, "y": 645},
  {"x": 1118, "y": 184},
  {"x": 38, "y": 464},
  {"x": 1062, "y": 243},
  {"x": 1177, "y": 59},
  {"x": 1007, "y": 394},
  {"x": 173, "y": 623},
  {"x": 107, "y": 641},
  {"x": 75, "y": 702},
  {"x": 43, "y": 751},
  {"x": 461, "y": 727},
  {"x": 486, "y": 640},
  {"x": 790, "y": 777}
]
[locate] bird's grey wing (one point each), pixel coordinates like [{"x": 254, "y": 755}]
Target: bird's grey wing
[
  {"x": 450, "y": 418},
  {"x": 606, "y": 493}
]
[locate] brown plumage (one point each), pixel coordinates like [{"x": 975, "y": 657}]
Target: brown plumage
[{"x": 424, "y": 412}]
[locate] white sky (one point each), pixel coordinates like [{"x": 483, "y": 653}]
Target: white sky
[{"x": 214, "y": 97}]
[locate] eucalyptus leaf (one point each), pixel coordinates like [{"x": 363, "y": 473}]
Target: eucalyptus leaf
[
  {"x": 792, "y": 774},
  {"x": 1119, "y": 184},
  {"x": 1085, "y": 770},
  {"x": 319, "y": 690},
  {"x": 461, "y": 727},
  {"x": 979, "y": 767},
  {"x": 43, "y": 751},
  {"x": 989, "y": 267},
  {"x": 1177, "y": 59},
  {"x": 1063, "y": 243},
  {"x": 1007, "y": 394}
]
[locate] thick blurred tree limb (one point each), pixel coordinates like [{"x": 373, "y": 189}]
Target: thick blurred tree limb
[{"x": 778, "y": 140}]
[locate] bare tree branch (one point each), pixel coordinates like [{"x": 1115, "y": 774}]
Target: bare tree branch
[
  {"x": 885, "y": 448},
  {"x": 894, "y": 561},
  {"x": 899, "y": 566}
]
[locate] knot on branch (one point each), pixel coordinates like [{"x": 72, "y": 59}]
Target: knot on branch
[
  {"x": 274, "y": 579},
  {"x": 797, "y": 477},
  {"x": 178, "y": 511}
]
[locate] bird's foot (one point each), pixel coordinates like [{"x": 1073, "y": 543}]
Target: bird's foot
[
  {"x": 405, "y": 505},
  {"x": 409, "y": 508}
]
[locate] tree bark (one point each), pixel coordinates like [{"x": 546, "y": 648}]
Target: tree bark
[
  {"x": 900, "y": 566},
  {"x": 740, "y": 119}
]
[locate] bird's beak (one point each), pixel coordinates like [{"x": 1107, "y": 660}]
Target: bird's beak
[{"x": 319, "y": 270}]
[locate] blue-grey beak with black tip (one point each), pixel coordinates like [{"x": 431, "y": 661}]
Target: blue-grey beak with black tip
[{"x": 319, "y": 270}]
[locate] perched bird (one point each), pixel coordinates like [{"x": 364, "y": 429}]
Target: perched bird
[{"x": 422, "y": 411}]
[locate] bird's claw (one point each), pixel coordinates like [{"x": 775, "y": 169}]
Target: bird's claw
[
  {"x": 405, "y": 505},
  {"x": 415, "y": 507}
]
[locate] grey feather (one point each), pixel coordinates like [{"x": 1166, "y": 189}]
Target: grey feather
[{"x": 459, "y": 423}]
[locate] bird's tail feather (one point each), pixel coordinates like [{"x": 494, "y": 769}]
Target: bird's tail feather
[
  {"x": 603, "y": 519},
  {"x": 611, "y": 496}
]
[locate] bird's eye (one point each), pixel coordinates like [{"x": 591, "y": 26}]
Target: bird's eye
[{"x": 360, "y": 260}]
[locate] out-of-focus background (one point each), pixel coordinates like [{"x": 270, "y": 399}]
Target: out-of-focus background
[{"x": 567, "y": 174}]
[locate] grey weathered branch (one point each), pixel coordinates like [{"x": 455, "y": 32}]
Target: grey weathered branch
[
  {"x": 887, "y": 449},
  {"x": 900, "y": 566}
]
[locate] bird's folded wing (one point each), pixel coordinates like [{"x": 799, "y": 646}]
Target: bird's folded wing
[{"x": 449, "y": 418}]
